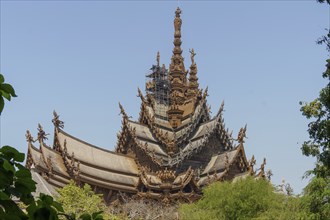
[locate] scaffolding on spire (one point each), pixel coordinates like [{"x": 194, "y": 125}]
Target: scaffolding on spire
[{"x": 158, "y": 87}]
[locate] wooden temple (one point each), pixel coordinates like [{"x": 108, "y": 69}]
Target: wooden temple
[{"x": 172, "y": 151}]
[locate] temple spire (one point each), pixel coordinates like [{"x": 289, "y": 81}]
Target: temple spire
[
  {"x": 193, "y": 79},
  {"x": 177, "y": 76},
  {"x": 177, "y": 64}
]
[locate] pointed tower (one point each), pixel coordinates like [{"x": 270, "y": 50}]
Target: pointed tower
[
  {"x": 193, "y": 85},
  {"x": 177, "y": 75}
]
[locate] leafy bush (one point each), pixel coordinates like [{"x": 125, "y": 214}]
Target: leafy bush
[
  {"x": 243, "y": 199},
  {"x": 316, "y": 198},
  {"x": 77, "y": 201}
]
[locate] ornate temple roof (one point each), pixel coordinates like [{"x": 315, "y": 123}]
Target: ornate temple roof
[{"x": 171, "y": 152}]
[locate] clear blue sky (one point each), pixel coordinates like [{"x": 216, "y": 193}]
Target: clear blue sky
[{"x": 83, "y": 57}]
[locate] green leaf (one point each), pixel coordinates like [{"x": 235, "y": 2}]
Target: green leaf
[
  {"x": 5, "y": 95},
  {"x": 4, "y": 196},
  {"x": 12, "y": 209},
  {"x": 46, "y": 199},
  {"x": 11, "y": 153},
  {"x": 57, "y": 206},
  {"x": 6, "y": 179},
  {"x": 10, "y": 217},
  {"x": 23, "y": 188},
  {"x": 8, "y": 166},
  {"x": 23, "y": 174},
  {"x": 2, "y": 104},
  {"x": 85, "y": 217},
  {"x": 21, "y": 167},
  {"x": 8, "y": 89},
  {"x": 2, "y": 79},
  {"x": 97, "y": 215},
  {"x": 41, "y": 214}
]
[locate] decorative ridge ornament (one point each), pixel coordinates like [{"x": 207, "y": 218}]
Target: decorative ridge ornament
[
  {"x": 29, "y": 137},
  {"x": 192, "y": 56},
  {"x": 241, "y": 135},
  {"x": 158, "y": 58},
  {"x": 193, "y": 79},
  {"x": 252, "y": 162},
  {"x": 41, "y": 134},
  {"x": 56, "y": 121},
  {"x": 122, "y": 112}
]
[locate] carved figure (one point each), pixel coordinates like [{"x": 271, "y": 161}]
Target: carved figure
[
  {"x": 177, "y": 22},
  {"x": 41, "y": 134},
  {"x": 192, "y": 55},
  {"x": 241, "y": 135},
  {"x": 29, "y": 137},
  {"x": 262, "y": 167},
  {"x": 56, "y": 121},
  {"x": 251, "y": 164}
]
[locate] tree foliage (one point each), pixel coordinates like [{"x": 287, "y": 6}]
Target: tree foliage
[
  {"x": 243, "y": 199},
  {"x": 316, "y": 198},
  {"x": 6, "y": 91},
  {"x": 77, "y": 201},
  {"x": 319, "y": 130},
  {"x": 16, "y": 183},
  {"x": 325, "y": 40}
]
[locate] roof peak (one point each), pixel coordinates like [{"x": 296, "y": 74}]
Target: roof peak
[{"x": 177, "y": 59}]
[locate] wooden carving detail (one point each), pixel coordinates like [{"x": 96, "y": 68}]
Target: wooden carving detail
[
  {"x": 167, "y": 176},
  {"x": 29, "y": 161},
  {"x": 262, "y": 169},
  {"x": 56, "y": 121},
  {"x": 252, "y": 162},
  {"x": 41, "y": 134},
  {"x": 241, "y": 135},
  {"x": 29, "y": 137}
]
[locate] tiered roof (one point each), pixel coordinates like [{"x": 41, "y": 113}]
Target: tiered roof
[{"x": 170, "y": 153}]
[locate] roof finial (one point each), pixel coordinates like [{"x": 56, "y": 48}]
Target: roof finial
[
  {"x": 193, "y": 79},
  {"x": 177, "y": 60},
  {"x": 177, "y": 23},
  {"x": 56, "y": 121},
  {"x": 177, "y": 72},
  {"x": 29, "y": 137},
  {"x": 41, "y": 134},
  {"x": 192, "y": 55},
  {"x": 122, "y": 111},
  {"x": 158, "y": 58},
  {"x": 177, "y": 76}
]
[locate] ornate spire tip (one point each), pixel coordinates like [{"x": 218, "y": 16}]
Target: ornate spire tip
[{"x": 178, "y": 12}]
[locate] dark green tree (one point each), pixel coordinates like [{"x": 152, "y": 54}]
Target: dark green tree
[
  {"x": 318, "y": 111},
  {"x": 316, "y": 198},
  {"x": 319, "y": 129}
]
